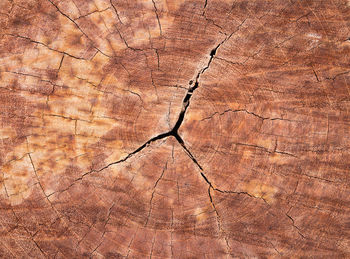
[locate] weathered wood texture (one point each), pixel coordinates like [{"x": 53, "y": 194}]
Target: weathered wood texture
[{"x": 174, "y": 129}]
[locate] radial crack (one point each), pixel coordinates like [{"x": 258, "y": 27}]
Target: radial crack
[
  {"x": 157, "y": 16},
  {"x": 78, "y": 27},
  {"x": 190, "y": 91},
  {"x": 295, "y": 226},
  {"x": 43, "y": 44},
  {"x": 116, "y": 11},
  {"x": 174, "y": 131},
  {"x": 140, "y": 148}
]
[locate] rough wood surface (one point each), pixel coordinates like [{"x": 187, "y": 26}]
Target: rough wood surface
[{"x": 174, "y": 129}]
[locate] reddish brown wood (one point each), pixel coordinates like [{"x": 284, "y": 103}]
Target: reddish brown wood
[{"x": 174, "y": 129}]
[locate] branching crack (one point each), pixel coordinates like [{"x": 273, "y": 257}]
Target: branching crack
[
  {"x": 78, "y": 27},
  {"x": 174, "y": 131},
  {"x": 193, "y": 87}
]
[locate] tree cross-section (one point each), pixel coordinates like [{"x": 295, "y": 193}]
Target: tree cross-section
[{"x": 174, "y": 129}]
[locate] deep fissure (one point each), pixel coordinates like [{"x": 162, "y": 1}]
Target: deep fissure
[{"x": 173, "y": 132}]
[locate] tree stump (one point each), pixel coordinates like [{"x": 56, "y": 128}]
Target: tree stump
[{"x": 175, "y": 129}]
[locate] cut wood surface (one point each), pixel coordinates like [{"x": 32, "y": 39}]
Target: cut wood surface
[{"x": 174, "y": 129}]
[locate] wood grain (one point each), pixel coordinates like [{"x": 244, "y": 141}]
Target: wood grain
[{"x": 174, "y": 129}]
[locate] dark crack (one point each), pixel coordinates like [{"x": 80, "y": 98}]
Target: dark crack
[
  {"x": 248, "y": 112},
  {"x": 95, "y": 11},
  {"x": 190, "y": 91},
  {"x": 205, "y": 6},
  {"x": 78, "y": 27},
  {"x": 193, "y": 85},
  {"x": 294, "y": 226},
  {"x": 157, "y": 16},
  {"x": 45, "y": 45},
  {"x": 116, "y": 11},
  {"x": 125, "y": 42},
  {"x": 140, "y": 148},
  {"x": 316, "y": 76},
  {"x": 59, "y": 67}
]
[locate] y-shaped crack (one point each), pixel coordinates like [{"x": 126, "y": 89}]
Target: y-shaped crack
[{"x": 174, "y": 131}]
